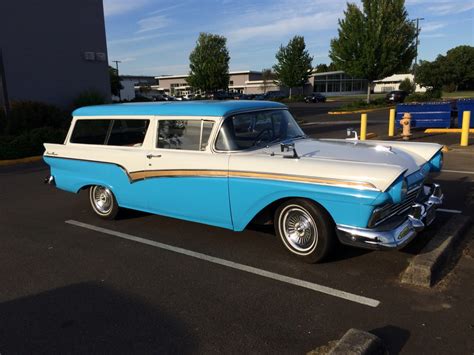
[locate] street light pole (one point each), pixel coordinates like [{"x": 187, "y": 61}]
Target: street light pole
[{"x": 117, "y": 68}]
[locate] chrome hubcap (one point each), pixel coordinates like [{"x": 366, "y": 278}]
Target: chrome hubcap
[
  {"x": 299, "y": 228},
  {"x": 102, "y": 199}
]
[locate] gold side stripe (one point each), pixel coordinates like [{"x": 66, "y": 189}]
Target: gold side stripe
[{"x": 139, "y": 175}]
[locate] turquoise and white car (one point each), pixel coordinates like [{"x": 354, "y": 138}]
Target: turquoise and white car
[{"x": 231, "y": 163}]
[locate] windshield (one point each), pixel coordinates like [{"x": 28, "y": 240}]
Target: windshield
[{"x": 257, "y": 129}]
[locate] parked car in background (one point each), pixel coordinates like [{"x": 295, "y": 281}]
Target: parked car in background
[
  {"x": 232, "y": 163},
  {"x": 396, "y": 96},
  {"x": 315, "y": 97},
  {"x": 187, "y": 97},
  {"x": 159, "y": 97},
  {"x": 273, "y": 95}
]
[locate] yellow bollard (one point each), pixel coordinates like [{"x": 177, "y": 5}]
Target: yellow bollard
[
  {"x": 363, "y": 126},
  {"x": 391, "y": 123},
  {"x": 466, "y": 120}
]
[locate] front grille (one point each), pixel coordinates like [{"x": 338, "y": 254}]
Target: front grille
[{"x": 391, "y": 210}]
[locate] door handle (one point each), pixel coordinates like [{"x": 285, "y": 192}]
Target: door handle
[{"x": 149, "y": 156}]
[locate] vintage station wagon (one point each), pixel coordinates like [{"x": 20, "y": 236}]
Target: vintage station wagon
[{"x": 231, "y": 163}]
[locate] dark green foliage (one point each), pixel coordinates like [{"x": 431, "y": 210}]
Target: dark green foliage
[
  {"x": 89, "y": 98},
  {"x": 209, "y": 64},
  {"x": 268, "y": 76},
  {"x": 429, "y": 95},
  {"x": 28, "y": 115},
  {"x": 407, "y": 85},
  {"x": 29, "y": 143},
  {"x": 454, "y": 71},
  {"x": 321, "y": 68},
  {"x": 376, "y": 41},
  {"x": 362, "y": 104},
  {"x": 293, "y": 66},
  {"x": 115, "y": 84}
]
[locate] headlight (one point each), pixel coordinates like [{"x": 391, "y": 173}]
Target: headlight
[
  {"x": 436, "y": 163},
  {"x": 399, "y": 190}
]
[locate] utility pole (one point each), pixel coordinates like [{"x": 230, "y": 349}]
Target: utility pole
[
  {"x": 117, "y": 68},
  {"x": 4, "y": 101},
  {"x": 417, "y": 41}
]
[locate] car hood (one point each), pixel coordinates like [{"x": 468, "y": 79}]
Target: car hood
[
  {"x": 378, "y": 163},
  {"x": 358, "y": 151}
]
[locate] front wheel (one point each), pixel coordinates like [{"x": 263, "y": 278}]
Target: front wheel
[
  {"x": 103, "y": 202},
  {"x": 305, "y": 229}
]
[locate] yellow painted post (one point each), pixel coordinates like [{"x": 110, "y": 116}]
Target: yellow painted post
[
  {"x": 466, "y": 120},
  {"x": 363, "y": 126},
  {"x": 391, "y": 123}
]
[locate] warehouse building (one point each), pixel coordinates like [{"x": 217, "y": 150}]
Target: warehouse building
[{"x": 52, "y": 51}]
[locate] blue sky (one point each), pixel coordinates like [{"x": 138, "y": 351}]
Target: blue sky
[{"x": 155, "y": 37}]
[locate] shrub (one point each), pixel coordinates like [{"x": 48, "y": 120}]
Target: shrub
[
  {"x": 27, "y": 115},
  {"x": 407, "y": 85},
  {"x": 29, "y": 143},
  {"x": 89, "y": 98},
  {"x": 429, "y": 95},
  {"x": 450, "y": 87},
  {"x": 294, "y": 98}
]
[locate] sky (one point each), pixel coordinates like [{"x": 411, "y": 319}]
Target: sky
[{"x": 155, "y": 37}]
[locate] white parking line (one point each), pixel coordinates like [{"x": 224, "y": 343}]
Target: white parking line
[
  {"x": 448, "y": 210},
  {"x": 458, "y": 171},
  {"x": 305, "y": 284}
]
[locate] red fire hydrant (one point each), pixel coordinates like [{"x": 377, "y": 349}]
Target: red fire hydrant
[{"x": 405, "y": 122}]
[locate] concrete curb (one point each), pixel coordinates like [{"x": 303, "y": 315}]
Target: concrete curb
[
  {"x": 425, "y": 268},
  {"x": 358, "y": 111},
  {"x": 20, "y": 161},
  {"x": 358, "y": 342}
]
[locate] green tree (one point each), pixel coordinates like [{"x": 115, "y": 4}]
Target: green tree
[
  {"x": 293, "y": 66},
  {"x": 209, "y": 64},
  {"x": 321, "y": 68},
  {"x": 407, "y": 85},
  {"x": 267, "y": 78},
  {"x": 455, "y": 70},
  {"x": 115, "y": 84},
  {"x": 375, "y": 41}
]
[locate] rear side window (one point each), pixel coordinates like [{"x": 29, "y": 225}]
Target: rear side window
[
  {"x": 128, "y": 133},
  {"x": 90, "y": 131},
  {"x": 123, "y": 132}
]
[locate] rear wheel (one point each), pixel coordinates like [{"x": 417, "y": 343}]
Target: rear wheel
[
  {"x": 103, "y": 202},
  {"x": 305, "y": 229}
]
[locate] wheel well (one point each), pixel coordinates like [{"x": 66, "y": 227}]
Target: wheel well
[
  {"x": 266, "y": 215},
  {"x": 85, "y": 187}
]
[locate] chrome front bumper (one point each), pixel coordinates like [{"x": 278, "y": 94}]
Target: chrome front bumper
[{"x": 422, "y": 214}]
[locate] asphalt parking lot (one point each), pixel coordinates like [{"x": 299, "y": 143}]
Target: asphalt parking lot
[{"x": 145, "y": 283}]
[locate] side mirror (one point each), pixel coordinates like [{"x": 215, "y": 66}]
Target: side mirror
[
  {"x": 287, "y": 147},
  {"x": 350, "y": 132}
]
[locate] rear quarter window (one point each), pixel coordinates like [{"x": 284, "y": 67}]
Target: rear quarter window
[
  {"x": 90, "y": 131},
  {"x": 119, "y": 132}
]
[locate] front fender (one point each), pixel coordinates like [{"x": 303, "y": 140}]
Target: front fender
[{"x": 249, "y": 196}]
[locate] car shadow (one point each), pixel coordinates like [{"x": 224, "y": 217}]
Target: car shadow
[
  {"x": 393, "y": 337},
  {"x": 89, "y": 318}
]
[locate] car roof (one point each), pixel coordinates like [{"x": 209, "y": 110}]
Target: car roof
[{"x": 187, "y": 108}]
